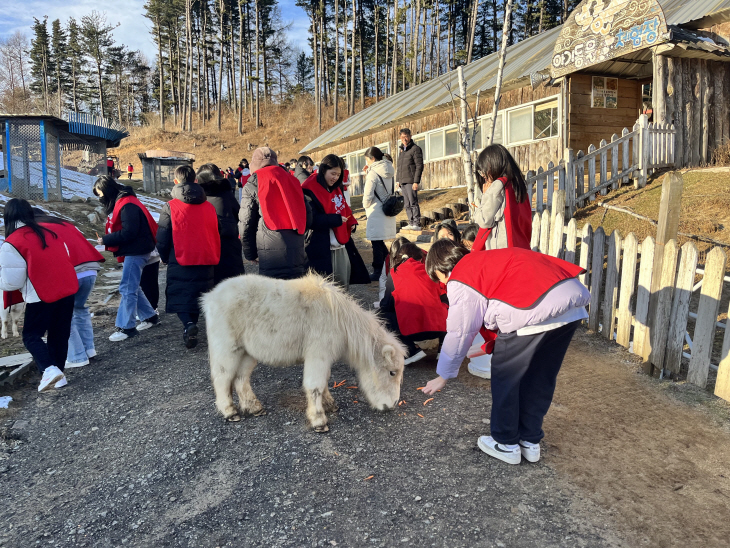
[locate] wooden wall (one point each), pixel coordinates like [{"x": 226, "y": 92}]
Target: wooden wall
[
  {"x": 449, "y": 173},
  {"x": 588, "y": 125},
  {"x": 693, "y": 95}
]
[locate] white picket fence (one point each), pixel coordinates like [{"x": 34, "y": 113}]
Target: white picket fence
[
  {"x": 634, "y": 155},
  {"x": 619, "y": 273}
]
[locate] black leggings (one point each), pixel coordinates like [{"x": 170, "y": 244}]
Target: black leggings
[
  {"x": 188, "y": 317},
  {"x": 149, "y": 283},
  {"x": 380, "y": 251},
  {"x": 54, "y": 318}
]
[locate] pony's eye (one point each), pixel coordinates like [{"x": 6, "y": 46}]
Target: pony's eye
[{"x": 392, "y": 373}]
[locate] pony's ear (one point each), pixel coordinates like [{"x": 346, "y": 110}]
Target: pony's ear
[{"x": 389, "y": 353}]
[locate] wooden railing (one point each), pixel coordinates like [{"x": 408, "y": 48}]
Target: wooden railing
[{"x": 634, "y": 155}]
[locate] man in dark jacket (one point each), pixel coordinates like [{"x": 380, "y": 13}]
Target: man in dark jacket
[
  {"x": 305, "y": 167},
  {"x": 279, "y": 247},
  {"x": 408, "y": 176}
]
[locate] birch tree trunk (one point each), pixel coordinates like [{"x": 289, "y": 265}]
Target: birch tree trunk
[
  {"x": 500, "y": 70},
  {"x": 258, "y": 68},
  {"x": 241, "y": 94},
  {"x": 222, "y": 5},
  {"x": 337, "y": 59},
  {"x": 465, "y": 142},
  {"x": 352, "y": 65},
  {"x": 394, "y": 65},
  {"x": 472, "y": 30}
]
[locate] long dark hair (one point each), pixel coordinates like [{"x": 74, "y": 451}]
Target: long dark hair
[
  {"x": 450, "y": 227},
  {"x": 407, "y": 251},
  {"x": 19, "y": 210},
  {"x": 442, "y": 257},
  {"x": 374, "y": 153},
  {"x": 494, "y": 162},
  {"x": 207, "y": 173},
  {"x": 395, "y": 247},
  {"x": 331, "y": 161},
  {"x": 107, "y": 189}
]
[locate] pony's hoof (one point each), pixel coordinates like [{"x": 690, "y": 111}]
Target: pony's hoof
[
  {"x": 259, "y": 413},
  {"x": 234, "y": 418},
  {"x": 321, "y": 429}
]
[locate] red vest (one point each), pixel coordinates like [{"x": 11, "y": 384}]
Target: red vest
[
  {"x": 281, "y": 199},
  {"x": 79, "y": 249},
  {"x": 517, "y": 221},
  {"x": 195, "y": 233},
  {"x": 515, "y": 276},
  {"x": 334, "y": 203},
  {"x": 418, "y": 306},
  {"x": 50, "y": 269},
  {"x": 12, "y": 297},
  {"x": 244, "y": 179},
  {"x": 115, "y": 223}
]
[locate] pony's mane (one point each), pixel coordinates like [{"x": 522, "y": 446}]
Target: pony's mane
[{"x": 361, "y": 327}]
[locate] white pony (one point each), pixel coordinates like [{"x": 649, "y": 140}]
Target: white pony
[
  {"x": 252, "y": 319},
  {"x": 11, "y": 314}
]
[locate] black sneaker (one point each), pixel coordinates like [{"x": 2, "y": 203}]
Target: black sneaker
[
  {"x": 149, "y": 322},
  {"x": 190, "y": 335},
  {"x": 122, "y": 334},
  {"x": 375, "y": 276}
]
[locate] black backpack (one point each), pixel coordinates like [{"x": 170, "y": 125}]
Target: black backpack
[{"x": 393, "y": 204}]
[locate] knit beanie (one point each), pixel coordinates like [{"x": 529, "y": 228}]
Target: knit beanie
[{"x": 262, "y": 157}]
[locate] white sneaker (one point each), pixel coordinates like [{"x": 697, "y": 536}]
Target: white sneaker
[
  {"x": 481, "y": 367},
  {"x": 50, "y": 377},
  {"x": 149, "y": 322},
  {"x": 531, "y": 451},
  {"x": 506, "y": 453},
  {"x": 71, "y": 365},
  {"x": 122, "y": 334},
  {"x": 417, "y": 356},
  {"x": 63, "y": 382}
]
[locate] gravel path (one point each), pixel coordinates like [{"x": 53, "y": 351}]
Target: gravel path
[{"x": 133, "y": 453}]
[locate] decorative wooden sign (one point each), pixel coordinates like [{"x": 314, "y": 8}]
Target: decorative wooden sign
[{"x": 600, "y": 30}]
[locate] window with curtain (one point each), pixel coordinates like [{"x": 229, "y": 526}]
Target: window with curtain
[
  {"x": 451, "y": 139},
  {"x": 519, "y": 125},
  {"x": 436, "y": 145}
]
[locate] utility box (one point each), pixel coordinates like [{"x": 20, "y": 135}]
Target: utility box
[{"x": 158, "y": 168}]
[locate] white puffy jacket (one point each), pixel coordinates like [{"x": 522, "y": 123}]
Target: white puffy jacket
[{"x": 380, "y": 226}]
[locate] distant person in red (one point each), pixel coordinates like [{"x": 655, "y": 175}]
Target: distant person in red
[
  {"x": 36, "y": 261},
  {"x": 130, "y": 171},
  {"x": 189, "y": 242},
  {"x": 505, "y": 213},
  {"x": 413, "y": 306},
  {"x": 110, "y": 166},
  {"x": 245, "y": 174}
]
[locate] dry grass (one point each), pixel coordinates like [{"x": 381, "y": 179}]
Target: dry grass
[{"x": 721, "y": 155}]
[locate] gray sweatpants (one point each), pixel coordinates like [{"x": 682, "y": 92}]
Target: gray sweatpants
[
  {"x": 341, "y": 267},
  {"x": 410, "y": 203}
]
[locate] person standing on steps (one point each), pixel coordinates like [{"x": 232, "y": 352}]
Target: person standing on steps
[
  {"x": 408, "y": 176},
  {"x": 189, "y": 242},
  {"x": 36, "y": 261},
  {"x": 131, "y": 237}
]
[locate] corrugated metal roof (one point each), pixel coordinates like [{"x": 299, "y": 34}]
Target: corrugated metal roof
[{"x": 531, "y": 55}]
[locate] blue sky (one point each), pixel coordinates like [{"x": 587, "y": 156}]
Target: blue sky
[{"x": 134, "y": 28}]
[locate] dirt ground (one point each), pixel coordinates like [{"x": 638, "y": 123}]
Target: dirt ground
[{"x": 133, "y": 453}]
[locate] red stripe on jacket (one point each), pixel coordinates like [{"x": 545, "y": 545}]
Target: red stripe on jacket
[
  {"x": 281, "y": 199},
  {"x": 195, "y": 233},
  {"x": 418, "y": 306},
  {"x": 333, "y": 203}
]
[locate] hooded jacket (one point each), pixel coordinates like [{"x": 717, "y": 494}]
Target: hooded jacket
[
  {"x": 135, "y": 237},
  {"x": 380, "y": 226},
  {"x": 226, "y": 207},
  {"x": 301, "y": 174},
  {"x": 410, "y": 164},
  {"x": 185, "y": 284}
]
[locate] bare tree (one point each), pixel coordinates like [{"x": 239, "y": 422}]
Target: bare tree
[{"x": 500, "y": 70}]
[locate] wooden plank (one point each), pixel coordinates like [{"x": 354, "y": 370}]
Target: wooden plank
[
  {"x": 679, "y": 113},
  {"x": 705, "y": 98},
  {"x": 580, "y": 186},
  {"x": 722, "y": 383},
  {"x": 571, "y": 241},
  {"x": 643, "y": 294},
  {"x": 614, "y": 161},
  {"x": 539, "y": 194},
  {"x": 535, "y": 236},
  {"x": 670, "y": 100},
  {"x": 696, "y": 129},
  {"x": 680, "y": 307},
  {"x": 15, "y": 360},
  {"x": 603, "y": 175},
  {"x": 586, "y": 245},
  {"x": 709, "y": 306},
  {"x": 660, "y": 88},
  {"x": 550, "y": 181},
  {"x": 625, "y": 159},
  {"x": 663, "y": 295},
  {"x": 558, "y": 204},
  {"x": 628, "y": 280},
  {"x": 613, "y": 265},
  {"x": 556, "y": 238},
  {"x": 545, "y": 232},
  {"x": 599, "y": 238},
  {"x": 718, "y": 81},
  {"x": 591, "y": 173}
]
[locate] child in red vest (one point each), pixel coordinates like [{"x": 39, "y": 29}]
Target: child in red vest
[
  {"x": 131, "y": 237},
  {"x": 413, "y": 306},
  {"x": 532, "y": 304},
  {"x": 189, "y": 242},
  {"x": 505, "y": 213},
  {"x": 36, "y": 261}
]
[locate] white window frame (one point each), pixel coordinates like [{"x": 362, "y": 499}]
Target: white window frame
[{"x": 531, "y": 105}]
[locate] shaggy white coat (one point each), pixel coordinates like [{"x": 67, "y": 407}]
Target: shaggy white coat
[
  {"x": 252, "y": 319},
  {"x": 11, "y": 315}
]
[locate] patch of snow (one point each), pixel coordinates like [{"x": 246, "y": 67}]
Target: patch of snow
[{"x": 4, "y": 401}]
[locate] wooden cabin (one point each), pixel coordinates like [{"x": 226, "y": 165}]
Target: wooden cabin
[{"x": 568, "y": 88}]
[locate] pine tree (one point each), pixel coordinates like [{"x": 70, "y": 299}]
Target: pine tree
[
  {"x": 40, "y": 61},
  {"x": 75, "y": 63},
  {"x": 97, "y": 39},
  {"x": 59, "y": 63}
]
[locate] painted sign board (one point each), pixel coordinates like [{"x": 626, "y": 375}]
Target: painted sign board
[{"x": 600, "y": 30}]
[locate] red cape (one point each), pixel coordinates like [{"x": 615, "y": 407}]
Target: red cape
[
  {"x": 12, "y": 297},
  {"x": 115, "y": 223},
  {"x": 50, "y": 269},
  {"x": 417, "y": 300},
  {"x": 79, "y": 249},
  {"x": 334, "y": 203},
  {"x": 281, "y": 199},
  {"x": 517, "y": 220},
  {"x": 195, "y": 233},
  {"x": 518, "y": 277}
]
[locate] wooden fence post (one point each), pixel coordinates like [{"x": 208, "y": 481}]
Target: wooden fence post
[
  {"x": 613, "y": 264},
  {"x": 570, "y": 241},
  {"x": 570, "y": 184},
  {"x": 545, "y": 232},
  {"x": 556, "y": 238},
  {"x": 535, "y": 237},
  {"x": 704, "y": 333},
  {"x": 663, "y": 297},
  {"x": 596, "y": 278},
  {"x": 558, "y": 205},
  {"x": 680, "y": 307},
  {"x": 644, "y": 149},
  {"x": 668, "y": 225},
  {"x": 642, "y": 347},
  {"x": 586, "y": 245},
  {"x": 722, "y": 384},
  {"x": 628, "y": 279}
]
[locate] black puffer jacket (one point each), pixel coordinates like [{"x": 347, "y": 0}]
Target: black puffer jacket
[
  {"x": 301, "y": 174},
  {"x": 135, "y": 237},
  {"x": 221, "y": 196},
  {"x": 280, "y": 252},
  {"x": 410, "y": 164},
  {"x": 185, "y": 284}
]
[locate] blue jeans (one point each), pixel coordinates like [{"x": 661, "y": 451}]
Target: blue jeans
[
  {"x": 82, "y": 333},
  {"x": 134, "y": 303}
]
